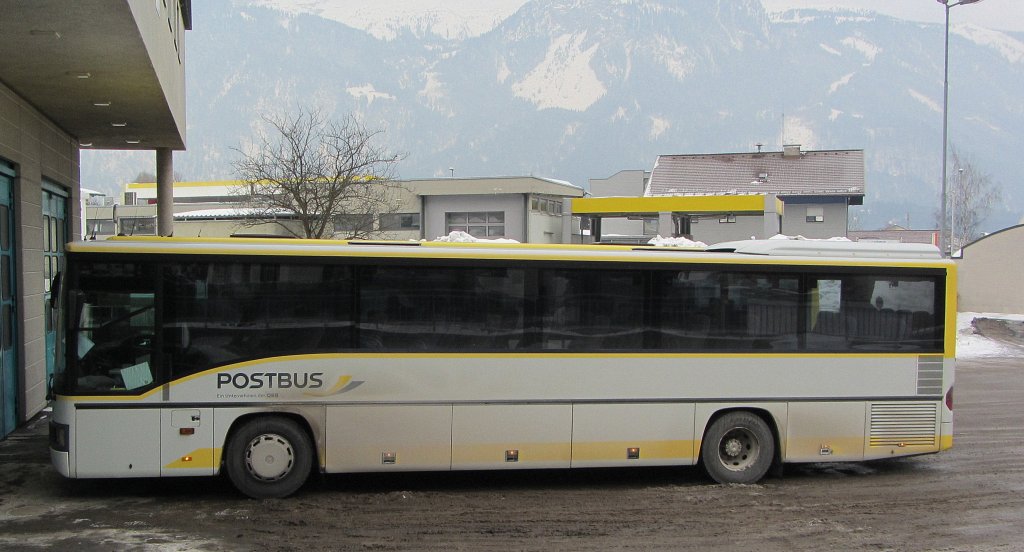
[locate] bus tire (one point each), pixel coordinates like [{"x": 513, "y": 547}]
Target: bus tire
[
  {"x": 738, "y": 448},
  {"x": 269, "y": 457}
]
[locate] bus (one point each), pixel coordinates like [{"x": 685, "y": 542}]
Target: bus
[{"x": 270, "y": 360}]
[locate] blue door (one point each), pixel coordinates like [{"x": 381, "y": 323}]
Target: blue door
[
  {"x": 8, "y": 351},
  {"x": 55, "y": 235}
]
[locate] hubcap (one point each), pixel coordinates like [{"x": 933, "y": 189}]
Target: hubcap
[
  {"x": 269, "y": 457},
  {"x": 738, "y": 449}
]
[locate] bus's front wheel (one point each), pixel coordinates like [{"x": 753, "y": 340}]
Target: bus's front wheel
[
  {"x": 269, "y": 457},
  {"x": 738, "y": 448}
]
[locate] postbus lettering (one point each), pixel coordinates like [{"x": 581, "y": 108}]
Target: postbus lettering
[{"x": 271, "y": 380}]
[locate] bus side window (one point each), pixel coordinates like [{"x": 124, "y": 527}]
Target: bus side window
[
  {"x": 874, "y": 313},
  {"x": 221, "y": 313}
]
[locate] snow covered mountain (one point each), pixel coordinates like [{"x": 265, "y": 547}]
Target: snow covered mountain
[
  {"x": 386, "y": 19},
  {"x": 579, "y": 89}
]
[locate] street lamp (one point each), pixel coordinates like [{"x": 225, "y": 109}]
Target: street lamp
[
  {"x": 957, "y": 198},
  {"x": 943, "y": 239}
]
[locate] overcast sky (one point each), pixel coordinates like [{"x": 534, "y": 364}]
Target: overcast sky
[{"x": 994, "y": 14}]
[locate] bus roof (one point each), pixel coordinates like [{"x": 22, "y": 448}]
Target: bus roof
[
  {"x": 743, "y": 252},
  {"x": 829, "y": 248}
]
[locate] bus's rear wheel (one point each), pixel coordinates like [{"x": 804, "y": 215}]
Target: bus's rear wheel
[
  {"x": 738, "y": 448},
  {"x": 269, "y": 457}
]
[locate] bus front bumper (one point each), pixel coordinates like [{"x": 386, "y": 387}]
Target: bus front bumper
[{"x": 59, "y": 441}]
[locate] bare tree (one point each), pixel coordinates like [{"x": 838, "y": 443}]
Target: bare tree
[
  {"x": 145, "y": 176},
  {"x": 310, "y": 175},
  {"x": 971, "y": 196}
]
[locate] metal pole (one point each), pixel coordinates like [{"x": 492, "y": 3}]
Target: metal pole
[
  {"x": 943, "y": 239},
  {"x": 958, "y": 194}
]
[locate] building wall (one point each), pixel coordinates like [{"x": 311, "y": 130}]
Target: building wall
[
  {"x": 794, "y": 220},
  {"x": 710, "y": 231},
  {"x": 896, "y": 236},
  {"x": 989, "y": 273},
  {"x": 163, "y": 33},
  {"x": 629, "y": 183},
  {"x": 39, "y": 150},
  {"x": 513, "y": 205},
  {"x": 224, "y": 228},
  {"x": 545, "y": 227}
]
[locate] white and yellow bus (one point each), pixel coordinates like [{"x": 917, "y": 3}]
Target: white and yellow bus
[{"x": 268, "y": 359}]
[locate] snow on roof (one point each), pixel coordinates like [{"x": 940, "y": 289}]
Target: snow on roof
[
  {"x": 801, "y": 238},
  {"x": 675, "y": 242},
  {"x": 222, "y": 213},
  {"x": 839, "y": 172},
  {"x": 781, "y": 245}
]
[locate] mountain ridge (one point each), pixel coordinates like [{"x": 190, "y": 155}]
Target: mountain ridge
[{"x": 582, "y": 89}]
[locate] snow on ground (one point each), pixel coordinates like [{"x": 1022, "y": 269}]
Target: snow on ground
[
  {"x": 462, "y": 237},
  {"x": 972, "y": 345}
]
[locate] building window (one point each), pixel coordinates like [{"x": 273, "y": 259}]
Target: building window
[
  {"x": 400, "y": 221},
  {"x": 651, "y": 227},
  {"x": 730, "y": 219},
  {"x": 546, "y": 206},
  {"x": 138, "y": 226},
  {"x": 815, "y": 214},
  {"x": 478, "y": 224},
  {"x": 353, "y": 223}
]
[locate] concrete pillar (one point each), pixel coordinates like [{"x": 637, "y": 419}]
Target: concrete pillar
[
  {"x": 667, "y": 225},
  {"x": 772, "y": 212},
  {"x": 164, "y": 192},
  {"x": 566, "y": 220}
]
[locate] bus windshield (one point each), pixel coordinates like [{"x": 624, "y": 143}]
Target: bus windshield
[{"x": 111, "y": 328}]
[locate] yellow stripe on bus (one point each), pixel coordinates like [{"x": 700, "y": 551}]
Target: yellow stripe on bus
[{"x": 205, "y": 458}]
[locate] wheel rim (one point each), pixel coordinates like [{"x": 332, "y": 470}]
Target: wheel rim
[
  {"x": 269, "y": 457},
  {"x": 738, "y": 449}
]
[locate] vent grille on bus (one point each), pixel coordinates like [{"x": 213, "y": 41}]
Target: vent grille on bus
[
  {"x": 903, "y": 424},
  {"x": 929, "y": 375}
]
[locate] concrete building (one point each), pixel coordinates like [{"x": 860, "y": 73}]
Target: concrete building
[
  {"x": 73, "y": 75},
  {"x": 896, "y": 234},
  {"x": 728, "y": 217},
  {"x": 989, "y": 271},
  {"x": 627, "y": 183},
  {"x": 816, "y": 187},
  {"x": 527, "y": 209}
]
